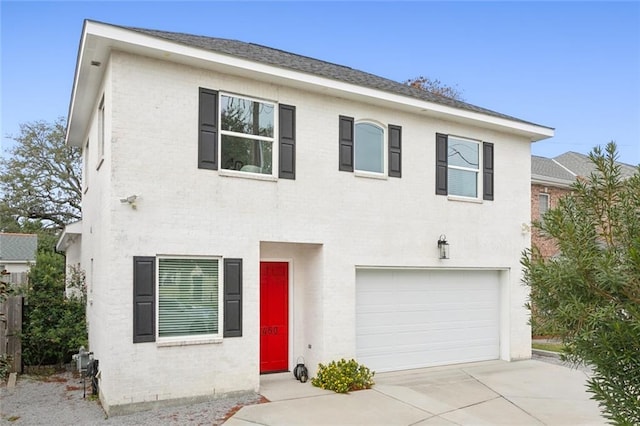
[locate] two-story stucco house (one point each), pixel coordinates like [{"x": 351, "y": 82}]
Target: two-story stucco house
[{"x": 244, "y": 207}]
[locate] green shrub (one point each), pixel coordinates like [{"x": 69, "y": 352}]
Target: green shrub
[
  {"x": 54, "y": 326},
  {"x": 589, "y": 295},
  {"x": 343, "y": 376}
]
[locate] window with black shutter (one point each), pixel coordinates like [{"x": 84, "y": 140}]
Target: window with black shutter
[
  {"x": 208, "y": 130},
  {"x": 144, "y": 302},
  {"x": 463, "y": 166},
  {"x": 362, "y": 145}
]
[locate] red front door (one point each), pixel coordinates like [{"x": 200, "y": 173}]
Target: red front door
[{"x": 274, "y": 316}]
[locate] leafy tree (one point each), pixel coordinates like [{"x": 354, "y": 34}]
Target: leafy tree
[
  {"x": 41, "y": 179},
  {"x": 590, "y": 294},
  {"x": 54, "y": 326},
  {"x": 435, "y": 86}
]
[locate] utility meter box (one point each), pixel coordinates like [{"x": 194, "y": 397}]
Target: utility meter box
[{"x": 82, "y": 359}]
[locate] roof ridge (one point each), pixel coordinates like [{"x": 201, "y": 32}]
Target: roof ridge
[
  {"x": 554, "y": 160},
  {"x": 314, "y": 66}
]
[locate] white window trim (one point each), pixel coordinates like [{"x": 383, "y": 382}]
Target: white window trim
[
  {"x": 191, "y": 340},
  {"x": 275, "y": 148},
  {"x": 385, "y": 149},
  {"x": 478, "y": 171},
  {"x": 548, "y": 205}
]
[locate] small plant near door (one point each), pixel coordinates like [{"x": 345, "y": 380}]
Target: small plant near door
[{"x": 343, "y": 376}]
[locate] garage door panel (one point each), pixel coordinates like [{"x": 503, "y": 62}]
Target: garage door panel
[
  {"x": 426, "y": 338},
  {"x": 416, "y": 318}
]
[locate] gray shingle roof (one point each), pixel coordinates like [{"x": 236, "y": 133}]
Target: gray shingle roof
[
  {"x": 546, "y": 167},
  {"x": 564, "y": 168},
  {"x": 291, "y": 61},
  {"x": 582, "y": 166},
  {"x": 18, "y": 247}
]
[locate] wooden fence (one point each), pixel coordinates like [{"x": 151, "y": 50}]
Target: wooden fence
[{"x": 10, "y": 329}]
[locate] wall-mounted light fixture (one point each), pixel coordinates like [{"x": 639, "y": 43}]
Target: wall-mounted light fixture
[{"x": 443, "y": 247}]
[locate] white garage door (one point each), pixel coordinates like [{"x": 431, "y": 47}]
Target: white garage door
[{"x": 415, "y": 318}]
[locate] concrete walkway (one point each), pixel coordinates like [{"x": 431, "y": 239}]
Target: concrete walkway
[{"x": 487, "y": 393}]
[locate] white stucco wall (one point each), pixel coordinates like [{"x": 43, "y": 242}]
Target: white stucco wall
[{"x": 335, "y": 220}]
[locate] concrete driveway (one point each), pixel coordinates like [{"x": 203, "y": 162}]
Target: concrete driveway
[{"x": 487, "y": 393}]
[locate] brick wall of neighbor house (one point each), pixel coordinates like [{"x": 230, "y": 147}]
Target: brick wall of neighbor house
[
  {"x": 547, "y": 247},
  {"x": 340, "y": 219}
]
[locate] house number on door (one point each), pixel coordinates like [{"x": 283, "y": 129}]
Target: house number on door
[{"x": 269, "y": 331}]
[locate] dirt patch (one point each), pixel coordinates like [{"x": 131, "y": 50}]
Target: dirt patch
[{"x": 52, "y": 379}]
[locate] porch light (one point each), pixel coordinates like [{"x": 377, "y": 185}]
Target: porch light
[{"x": 443, "y": 247}]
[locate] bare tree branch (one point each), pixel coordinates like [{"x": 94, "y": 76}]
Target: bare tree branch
[{"x": 435, "y": 86}]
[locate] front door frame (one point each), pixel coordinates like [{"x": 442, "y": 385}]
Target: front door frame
[{"x": 289, "y": 262}]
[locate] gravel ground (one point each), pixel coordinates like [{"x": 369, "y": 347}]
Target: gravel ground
[{"x": 58, "y": 400}]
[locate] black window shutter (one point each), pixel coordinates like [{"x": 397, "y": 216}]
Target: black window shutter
[
  {"x": 487, "y": 171},
  {"x": 208, "y": 130},
  {"x": 346, "y": 144},
  {"x": 232, "y": 297},
  {"x": 144, "y": 303},
  {"x": 395, "y": 151},
  {"x": 441, "y": 164},
  {"x": 287, "y": 128}
]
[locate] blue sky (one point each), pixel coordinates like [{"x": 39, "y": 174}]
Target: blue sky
[{"x": 574, "y": 66}]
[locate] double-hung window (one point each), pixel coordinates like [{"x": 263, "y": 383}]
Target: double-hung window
[
  {"x": 463, "y": 158},
  {"x": 247, "y": 129},
  {"x": 239, "y": 133},
  {"x": 189, "y": 297},
  {"x": 464, "y": 167}
]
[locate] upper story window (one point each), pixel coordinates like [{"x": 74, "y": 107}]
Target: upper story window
[
  {"x": 363, "y": 147},
  {"x": 369, "y": 148},
  {"x": 463, "y": 157},
  {"x": 464, "y": 167},
  {"x": 240, "y": 134},
  {"x": 247, "y": 133}
]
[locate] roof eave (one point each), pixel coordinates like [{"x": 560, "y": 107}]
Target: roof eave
[
  {"x": 550, "y": 181},
  {"x": 69, "y": 235},
  {"x": 98, "y": 39}
]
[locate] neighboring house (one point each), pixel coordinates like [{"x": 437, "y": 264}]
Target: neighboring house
[
  {"x": 17, "y": 255},
  {"x": 70, "y": 242},
  {"x": 551, "y": 179},
  {"x": 244, "y": 207}
]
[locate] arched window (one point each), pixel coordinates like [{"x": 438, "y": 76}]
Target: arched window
[{"x": 369, "y": 147}]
